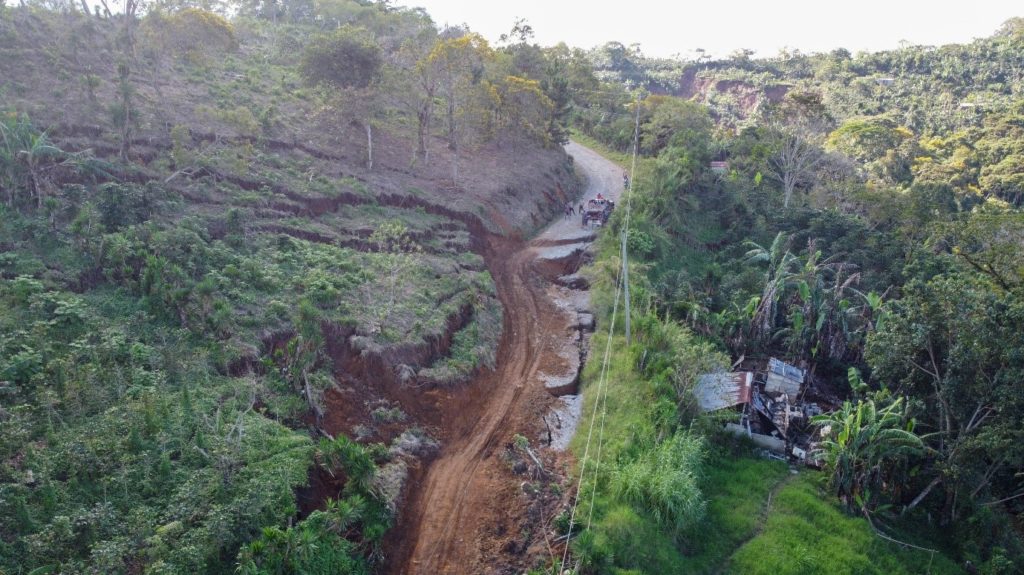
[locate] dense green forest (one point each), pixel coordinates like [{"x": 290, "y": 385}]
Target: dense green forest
[
  {"x": 867, "y": 226},
  {"x": 219, "y": 221}
]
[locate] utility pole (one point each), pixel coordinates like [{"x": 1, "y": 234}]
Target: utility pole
[
  {"x": 625, "y": 286},
  {"x": 625, "y": 229}
]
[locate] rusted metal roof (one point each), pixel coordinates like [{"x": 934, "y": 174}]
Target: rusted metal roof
[{"x": 716, "y": 391}]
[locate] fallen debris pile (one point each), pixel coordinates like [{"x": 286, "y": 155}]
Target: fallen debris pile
[{"x": 774, "y": 409}]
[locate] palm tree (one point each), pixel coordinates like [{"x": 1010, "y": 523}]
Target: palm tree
[
  {"x": 14, "y": 131},
  {"x": 37, "y": 150},
  {"x": 344, "y": 455}
]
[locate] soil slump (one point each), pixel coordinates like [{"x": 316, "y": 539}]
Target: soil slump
[{"x": 466, "y": 512}]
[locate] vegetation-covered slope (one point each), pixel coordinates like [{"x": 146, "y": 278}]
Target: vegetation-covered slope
[
  {"x": 863, "y": 221},
  {"x": 205, "y": 244},
  {"x": 238, "y": 254}
]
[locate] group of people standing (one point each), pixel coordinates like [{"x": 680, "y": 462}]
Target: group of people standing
[{"x": 570, "y": 210}]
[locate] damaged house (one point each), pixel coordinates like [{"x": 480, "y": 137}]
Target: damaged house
[{"x": 772, "y": 405}]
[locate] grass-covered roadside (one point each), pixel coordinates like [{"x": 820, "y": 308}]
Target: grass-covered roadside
[
  {"x": 626, "y": 531},
  {"x": 623, "y": 160}
]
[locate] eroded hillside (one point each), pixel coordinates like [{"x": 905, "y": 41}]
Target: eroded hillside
[{"x": 203, "y": 276}]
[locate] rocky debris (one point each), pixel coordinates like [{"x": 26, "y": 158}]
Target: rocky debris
[
  {"x": 559, "y": 385},
  {"x": 562, "y": 252},
  {"x": 585, "y": 322},
  {"x": 573, "y": 281},
  {"x": 406, "y": 374},
  {"x": 561, "y": 422}
]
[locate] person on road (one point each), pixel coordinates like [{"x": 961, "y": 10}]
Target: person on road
[{"x": 572, "y": 210}]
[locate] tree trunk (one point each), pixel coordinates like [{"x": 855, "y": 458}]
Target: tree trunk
[
  {"x": 923, "y": 494},
  {"x": 422, "y": 125},
  {"x": 452, "y": 143},
  {"x": 788, "y": 184},
  {"x": 369, "y": 146},
  {"x": 455, "y": 168},
  {"x": 311, "y": 399},
  {"x": 126, "y": 108},
  {"x": 35, "y": 188},
  {"x": 126, "y": 134},
  {"x": 33, "y": 178}
]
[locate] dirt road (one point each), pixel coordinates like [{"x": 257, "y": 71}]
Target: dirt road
[{"x": 466, "y": 511}]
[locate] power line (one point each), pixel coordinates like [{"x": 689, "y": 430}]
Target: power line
[
  {"x": 622, "y": 287},
  {"x": 625, "y": 290},
  {"x": 593, "y": 418}
]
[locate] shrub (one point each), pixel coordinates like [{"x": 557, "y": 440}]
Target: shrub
[
  {"x": 122, "y": 205},
  {"x": 197, "y": 31},
  {"x": 190, "y": 32},
  {"x": 242, "y": 120},
  {"x": 349, "y": 58}
]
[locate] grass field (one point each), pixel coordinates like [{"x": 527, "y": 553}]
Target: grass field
[{"x": 804, "y": 533}]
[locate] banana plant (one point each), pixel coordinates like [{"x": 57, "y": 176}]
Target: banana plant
[
  {"x": 866, "y": 448},
  {"x": 781, "y": 264}
]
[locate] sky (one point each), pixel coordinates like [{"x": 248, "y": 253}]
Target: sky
[{"x": 669, "y": 28}]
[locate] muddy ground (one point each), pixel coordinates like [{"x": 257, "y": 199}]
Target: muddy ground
[{"x": 478, "y": 507}]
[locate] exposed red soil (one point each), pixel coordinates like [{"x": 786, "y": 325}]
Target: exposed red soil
[
  {"x": 503, "y": 187},
  {"x": 457, "y": 498},
  {"x": 749, "y": 96},
  {"x": 468, "y": 511}
]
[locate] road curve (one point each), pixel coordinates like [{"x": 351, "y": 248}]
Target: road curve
[{"x": 465, "y": 488}]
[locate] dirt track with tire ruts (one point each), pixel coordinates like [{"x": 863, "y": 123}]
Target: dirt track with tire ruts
[{"x": 466, "y": 512}]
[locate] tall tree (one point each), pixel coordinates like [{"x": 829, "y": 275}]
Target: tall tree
[
  {"x": 413, "y": 83},
  {"x": 350, "y": 63},
  {"x": 954, "y": 343},
  {"x": 796, "y": 131},
  {"x": 460, "y": 64},
  {"x": 781, "y": 264},
  {"x": 678, "y": 123},
  {"x": 123, "y": 111},
  {"x": 522, "y": 107}
]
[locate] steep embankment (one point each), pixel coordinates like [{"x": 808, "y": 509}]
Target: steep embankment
[
  {"x": 242, "y": 280},
  {"x": 469, "y": 512}
]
